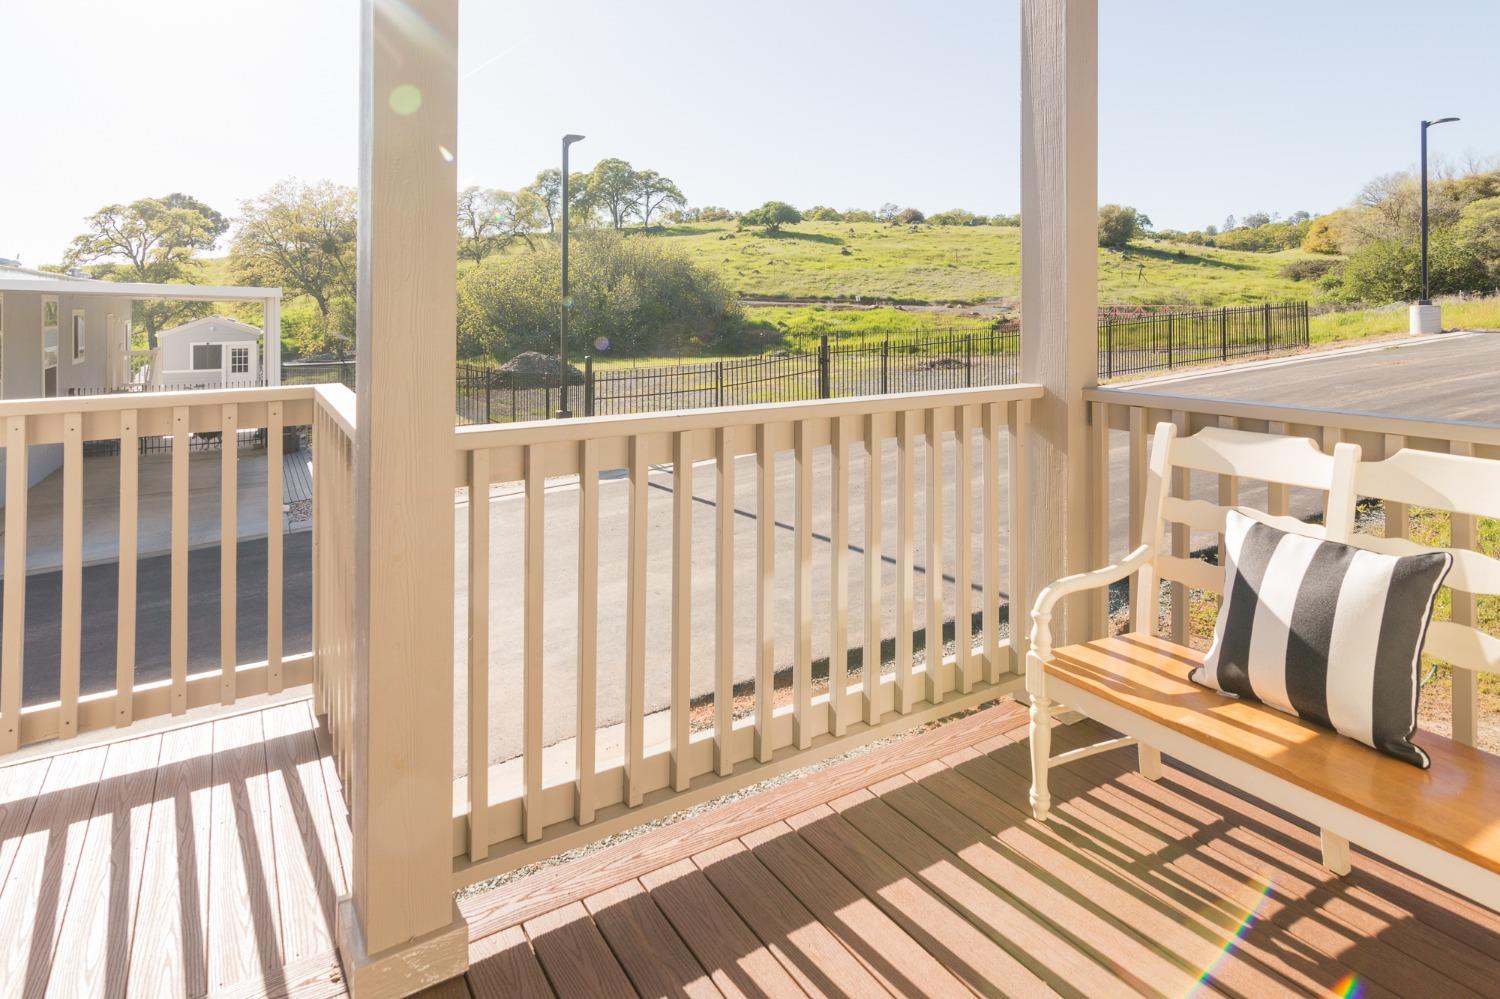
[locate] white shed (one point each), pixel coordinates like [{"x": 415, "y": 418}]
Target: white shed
[{"x": 214, "y": 352}]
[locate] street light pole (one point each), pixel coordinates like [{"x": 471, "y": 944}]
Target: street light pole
[
  {"x": 567, "y": 303},
  {"x": 1426, "y": 296}
]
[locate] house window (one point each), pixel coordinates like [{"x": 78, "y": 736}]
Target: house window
[
  {"x": 79, "y": 334},
  {"x": 208, "y": 356},
  {"x": 239, "y": 360},
  {"x": 49, "y": 346}
]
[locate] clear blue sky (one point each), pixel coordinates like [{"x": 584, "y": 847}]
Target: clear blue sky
[{"x": 1205, "y": 108}]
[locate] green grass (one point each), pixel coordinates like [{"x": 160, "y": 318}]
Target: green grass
[
  {"x": 852, "y": 262},
  {"x": 1358, "y": 324}
]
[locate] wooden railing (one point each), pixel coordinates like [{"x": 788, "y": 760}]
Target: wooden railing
[
  {"x": 1134, "y": 414},
  {"x": 507, "y": 814},
  {"x": 119, "y": 423},
  {"x": 333, "y": 422}
]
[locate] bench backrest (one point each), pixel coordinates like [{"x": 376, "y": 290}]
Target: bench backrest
[
  {"x": 1466, "y": 488},
  {"x": 1463, "y": 486},
  {"x": 1271, "y": 458}
]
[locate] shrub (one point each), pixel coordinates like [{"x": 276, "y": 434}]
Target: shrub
[
  {"x": 1389, "y": 270},
  {"x": 822, "y": 213},
  {"x": 858, "y": 215},
  {"x": 1118, "y": 225},
  {"x": 955, "y": 216},
  {"x": 1322, "y": 237},
  {"x": 773, "y": 215},
  {"x": 1308, "y": 270},
  {"x": 638, "y": 295},
  {"x": 908, "y": 216}
]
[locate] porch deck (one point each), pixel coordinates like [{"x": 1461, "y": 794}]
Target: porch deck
[{"x": 205, "y": 860}]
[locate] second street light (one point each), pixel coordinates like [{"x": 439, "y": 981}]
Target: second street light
[
  {"x": 567, "y": 303},
  {"x": 1426, "y": 317}
]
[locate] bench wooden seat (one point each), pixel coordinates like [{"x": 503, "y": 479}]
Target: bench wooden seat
[
  {"x": 1454, "y": 805},
  {"x": 1442, "y": 823}
]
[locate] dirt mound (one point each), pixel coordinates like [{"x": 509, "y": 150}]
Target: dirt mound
[{"x": 532, "y": 369}]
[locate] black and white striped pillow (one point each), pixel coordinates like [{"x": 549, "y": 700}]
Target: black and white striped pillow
[{"x": 1324, "y": 631}]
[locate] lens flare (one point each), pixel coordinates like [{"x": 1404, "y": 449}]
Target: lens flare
[
  {"x": 1230, "y": 943},
  {"x": 406, "y": 99},
  {"x": 1349, "y": 987},
  {"x": 601, "y": 344},
  {"x": 446, "y": 154}
]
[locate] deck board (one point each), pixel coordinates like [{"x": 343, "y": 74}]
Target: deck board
[{"x": 205, "y": 860}]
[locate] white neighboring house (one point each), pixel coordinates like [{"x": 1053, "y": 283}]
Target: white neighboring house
[
  {"x": 69, "y": 334},
  {"x": 215, "y": 352}
]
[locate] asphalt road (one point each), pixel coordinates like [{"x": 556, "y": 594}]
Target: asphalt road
[
  {"x": 153, "y": 615},
  {"x": 1446, "y": 378}
]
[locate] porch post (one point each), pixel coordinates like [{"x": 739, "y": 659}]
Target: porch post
[
  {"x": 400, "y": 931},
  {"x": 271, "y": 340},
  {"x": 1059, "y": 282}
]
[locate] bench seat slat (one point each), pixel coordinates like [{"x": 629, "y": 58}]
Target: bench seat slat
[{"x": 1454, "y": 806}]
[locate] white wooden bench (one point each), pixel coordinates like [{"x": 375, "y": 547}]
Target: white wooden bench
[{"x": 1442, "y": 823}]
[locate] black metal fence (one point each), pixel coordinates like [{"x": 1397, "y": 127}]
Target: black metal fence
[
  {"x": 1137, "y": 340},
  {"x": 833, "y": 368},
  {"x": 1132, "y": 340}
]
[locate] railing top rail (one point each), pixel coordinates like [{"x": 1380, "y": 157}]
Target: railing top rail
[
  {"x": 340, "y": 403},
  {"x": 117, "y": 402},
  {"x": 1344, "y": 419},
  {"x": 480, "y": 437}
]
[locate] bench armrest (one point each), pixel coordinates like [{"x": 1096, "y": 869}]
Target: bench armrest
[{"x": 1041, "y": 613}]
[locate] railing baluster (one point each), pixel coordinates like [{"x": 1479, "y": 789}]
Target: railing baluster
[
  {"x": 13, "y": 633},
  {"x": 1136, "y": 476},
  {"x": 228, "y": 548},
  {"x": 532, "y": 679},
  {"x": 72, "y": 576},
  {"x": 802, "y": 590},
  {"x": 933, "y": 653},
  {"x": 588, "y": 629},
  {"x": 682, "y": 608},
  {"x": 479, "y": 654},
  {"x": 1278, "y": 494},
  {"x": 990, "y": 553},
  {"x": 274, "y": 581},
  {"x": 1464, "y": 529},
  {"x": 181, "y": 441},
  {"x": 1099, "y": 515},
  {"x": 125, "y": 615},
  {"x": 838, "y": 575},
  {"x": 963, "y": 574},
  {"x": 635, "y": 624},
  {"x": 765, "y": 592},
  {"x": 905, "y": 583},
  {"x": 724, "y": 607},
  {"x": 1181, "y": 485},
  {"x": 1397, "y": 518},
  {"x": 1229, "y": 492},
  {"x": 1019, "y": 606},
  {"x": 874, "y": 490}
]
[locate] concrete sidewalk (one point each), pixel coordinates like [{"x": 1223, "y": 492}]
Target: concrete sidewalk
[{"x": 101, "y": 506}]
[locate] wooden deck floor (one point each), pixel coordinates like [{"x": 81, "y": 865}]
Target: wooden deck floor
[
  {"x": 916, "y": 870},
  {"x": 205, "y": 860}
]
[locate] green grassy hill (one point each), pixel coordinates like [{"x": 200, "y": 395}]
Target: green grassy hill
[{"x": 933, "y": 264}]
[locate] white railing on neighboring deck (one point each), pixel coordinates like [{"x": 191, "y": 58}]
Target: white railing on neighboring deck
[
  {"x": 1136, "y": 414},
  {"x": 500, "y": 823},
  {"x": 71, "y": 423}
]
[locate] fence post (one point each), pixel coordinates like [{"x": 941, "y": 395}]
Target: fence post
[
  {"x": 488, "y": 386},
  {"x": 1109, "y": 346},
  {"x": 885, "y": 364},
  {"x": 968, "y": 360},
  {"x": 1265, "y": 321},
  {"x": 1170, "y": 324},
  {"x": 1224, "y": 331},
  {"x": 588, "y": 385},
  {"x": 825, "y": 381},
  {"x": 718, "y": 383}
]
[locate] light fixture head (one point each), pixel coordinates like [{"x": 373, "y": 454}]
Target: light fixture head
[
  {"x": 1438, "y": 121},
  {"x": 569, "y": 139}
]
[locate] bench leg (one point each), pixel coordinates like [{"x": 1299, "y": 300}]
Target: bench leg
[
  {"x": 1335, "y": 852},
  {"x": 1149, "y": 761},
  {"x": 1041, "y": 755}
]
